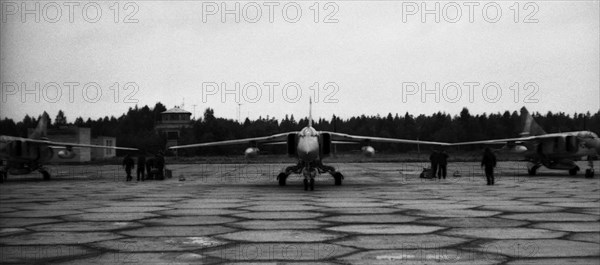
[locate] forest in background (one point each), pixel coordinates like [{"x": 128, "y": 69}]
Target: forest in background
[{"x": 136, "y": 128}]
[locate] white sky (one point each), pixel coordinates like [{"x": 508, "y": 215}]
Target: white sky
[{"x": 369, "y": 54}]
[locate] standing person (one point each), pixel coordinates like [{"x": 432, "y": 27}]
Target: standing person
[
  {"x": 159, "y": 163},
  {"x": 442, "y": 164},
  {"x": 489, "y": 162},
  {"x": 149, "y": 166},
  {"x": 141, "y": 166},
  {"x": 128, "y": 163},
  {"x": 434, "y": 158}
]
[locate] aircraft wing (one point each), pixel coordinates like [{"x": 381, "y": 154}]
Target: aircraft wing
[
  {"x": 273, "y": 139},
  {"x": 518, "y": 140},
  {"x": 347, "y": 138},
  {"x": 52, "y": 144}
]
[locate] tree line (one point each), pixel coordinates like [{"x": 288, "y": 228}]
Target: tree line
[{"x": 136, "y": 128}]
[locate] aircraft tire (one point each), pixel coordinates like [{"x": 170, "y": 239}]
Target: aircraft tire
[
  {"x": 312, "y": 184},
  {"x": 282, "y": 178},
  {"x": 305, "y": 184},
  {"x": 589, "y": 174},
  {"x": 338, "y": 178},
  {"x": 45, "y": 175},
  {"x": 573, "y": 171},
  {"x": 531, "y": 172}
]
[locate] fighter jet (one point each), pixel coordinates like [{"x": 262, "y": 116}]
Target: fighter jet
[
  {"x": 24, "y": 155},
  {"x": 552, "y": 150},
  {"x": 309, "y": 146}
]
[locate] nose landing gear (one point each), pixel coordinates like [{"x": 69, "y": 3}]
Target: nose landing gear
[{"x": 309, "y": 178}]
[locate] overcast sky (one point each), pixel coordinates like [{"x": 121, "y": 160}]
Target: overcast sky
[{"x": 375, "y": 57}]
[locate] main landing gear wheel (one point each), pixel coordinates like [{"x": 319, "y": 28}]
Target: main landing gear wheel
[
  {"x": 305, "y": 184},
  {"x": 311, "y": 184},
  {"x": 338, "y": 178},
  {"x": 589, "y": 173},
  {"x": 573, "y": 171},
  {"x": 532, "y": 168},
  {"x": 282, "y": 178},
  {"x": 45, "y": 174}
]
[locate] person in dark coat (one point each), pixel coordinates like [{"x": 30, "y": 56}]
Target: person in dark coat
[
  {"x": 434, "y": 158},
  {"x": 442, "y": 164},
  {"x": 128, "y": 163},
  {"x": 149, "y": 166},
  {"x": 489, "y": 163},
  {"x": 159, "y": 163},
  {"x": 141, "y": 166}
]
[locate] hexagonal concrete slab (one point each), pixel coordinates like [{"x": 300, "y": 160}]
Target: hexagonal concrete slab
[
  {"x": 270, "y": 252},
  {"x": 474, "y": 222},
  {"x": 371, "y": 218},
  {"x": 125, "y": 209},
  {"x": 503, "y": 233},
  {"x": 279, "y": 215},
  {"x": 159, "y": 244},
  {"x": 201, "y": 211},
  {"x": 144, "y": 258},
  {"x": 360, "y": 210},
  {"x": 522, "y": 208},
  {"x": 385, "y": 229},
  {"x": 189, "y": 220},
  {"x": 401, "y": 241},
  {"x": 109, "y": 217},
  {"x": 51, "y": 238},
  {"x": 172, "y": 231},
  {"x": 549, "y": 217},
  {"x": 12, "y": 231},
  {"x": 85, "y": 226},
  {"x": 453, "y": 213},
  {"x": 41, "y": 254},
  {"x": 279, "y": 224},
  {"x": 40, "y": 213},
  {"x": 554, "y": 261},
  {"x": 423, "y": 257},
  {"x": 570, "y": 226},
  {"x": 280, "y": 236},
  {"x": 539, "y": 248},
  {"x": 280, "y": 208}
]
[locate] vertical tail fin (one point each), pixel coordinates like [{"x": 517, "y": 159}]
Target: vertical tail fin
[
  {"x": 40, "y": 131},
  {"x": 310, "y": 120},
  {"x": 530, "y": 127}
]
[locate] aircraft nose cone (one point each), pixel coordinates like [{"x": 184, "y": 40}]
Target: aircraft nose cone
[{"x": 307, "y": 150}]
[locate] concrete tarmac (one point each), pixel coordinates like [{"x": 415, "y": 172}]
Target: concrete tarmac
[{"x": 237, "y": 214}]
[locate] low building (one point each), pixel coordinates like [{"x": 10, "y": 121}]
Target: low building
[
  {"x": 79, "y": 135},
  {"x": 172, "y": 122},
  {"x": 104, "y": 153}
]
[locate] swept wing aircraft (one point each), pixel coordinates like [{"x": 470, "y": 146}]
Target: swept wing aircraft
[
  {"x": 24, "y": 155},
  {"x": 310, "y": 147},
  {"x": 552, "y": 150}
]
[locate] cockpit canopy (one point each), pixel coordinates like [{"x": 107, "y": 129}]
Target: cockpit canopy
[{"x": 308, "y": 131}]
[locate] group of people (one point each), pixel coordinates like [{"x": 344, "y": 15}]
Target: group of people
[
  {"x": 155, "y": 167},
  {"x": 439, "y": 164}
]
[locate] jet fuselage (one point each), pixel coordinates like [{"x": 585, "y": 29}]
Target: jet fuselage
[{"x": 308, "y": 145}]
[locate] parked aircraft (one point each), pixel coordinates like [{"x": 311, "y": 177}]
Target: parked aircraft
[
  {"x": 310, "y": 147},
  {"x": 552, "y": 150},
  {"x": 24, "y": 155}
]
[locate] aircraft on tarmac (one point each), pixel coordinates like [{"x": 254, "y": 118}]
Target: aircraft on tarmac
[
  {"x": 310, "y": 147},
  {"x": 24, "y": 155},
  {"x": 552, "y": 150}
]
